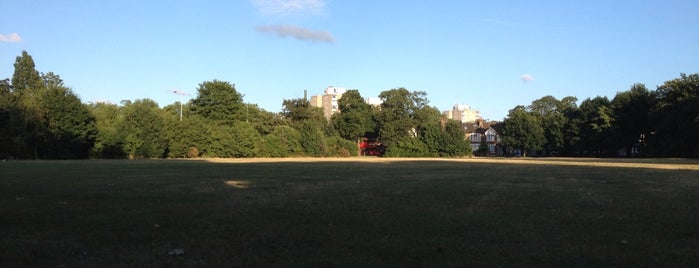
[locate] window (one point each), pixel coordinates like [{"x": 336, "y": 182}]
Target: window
[
  {"x": 475, "y": 137},
  {"x": 491, "y": 148},
  {"x": 490, "y": 137}
]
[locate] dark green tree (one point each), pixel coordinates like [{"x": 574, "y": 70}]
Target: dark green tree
[
  {"x": 596, "y": 123},
  {"x": 310, "y": 122},
  {"x": 9, "y": 115},
  {"x": 219, "y": 101},
  {"x": 355, "y": 118},
  {"x": 403, "y": 121},
  {"x": 282, "y": 141},
  {"x": 28, "y": 88},
  {"x": 549, "y": 112},
  {"x": 631, "y": 109},
  {"x": 675, "y": 118},
  {"x": 522, "y": 131},
  {"x": 246, "y": 140},
  {"x": 109, "y": 141},
  {"x": 70, "y": 127},
  {"x": 143, "y": 126},
  {"x": 454, "y": 143}
]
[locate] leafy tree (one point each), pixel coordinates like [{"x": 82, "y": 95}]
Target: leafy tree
[
  {"x": 395, "y": 120},
  {"x": 403, "y": 116},
  {"x": 310, "y": 122},
  {"x": 631, "y": 109},
  {"x": 27, "y": 88},
  {"x": 218, "y": 101},
  {"x": 143, "y": 125},
  {"x": 282, "y": 141},
  {"x": 70, "y": 127},
  {"x": 296, "y": 111},
  {"x": 9, "y": 115},
  {"x": 675, "y": 117},
  {"x": 246, "y": 140},
  {"x": 549, "y": 112},
  {"x": 26, "y": 79},
  {"x": 597, "y": 119},
  {"x": 312, "y": 138},
  {"x": 523, "y": 131},
  {"x": 188, "y": 138},
  {"x": 262, "y": 120},
  {"x": 454, "y": 143},
  {"x": 355, "y": 118},
  {"x": 109, "y": 141},
  {"x": 339, "y": 147},
  {"x": 571, "y": 128}
]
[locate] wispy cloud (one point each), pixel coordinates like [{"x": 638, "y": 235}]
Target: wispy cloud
[
  {"x": 10, "y": 38},
  {"x": 280, "y": 7},
  {"x": 300, "y": 33},
  {"x": 526, "y": 78}
]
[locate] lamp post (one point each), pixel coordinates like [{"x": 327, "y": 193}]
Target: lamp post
[{"x": 181, "y": 93}]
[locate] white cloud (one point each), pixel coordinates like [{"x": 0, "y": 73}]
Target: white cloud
[
  {"x": 526, "y": 78},
  {"x": 300, "y": 33},
  {"x": 277, "y": 7},
  {"x": 10, "y": 38}
]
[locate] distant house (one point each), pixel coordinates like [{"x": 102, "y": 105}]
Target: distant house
[{"x": 481, "y": 132}]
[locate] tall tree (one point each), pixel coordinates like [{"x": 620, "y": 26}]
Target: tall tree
[
  {"x": 522, "y": 131},
  {"x": 8, "y": 119},
  {"x": 395, "y": 120},
  {"x": 547, "y": 110},
  {"x": 143, "y": 124},
  {"x": 26, "y": 78},
  {"x": 454, "y": 143},
  {"x": 70, "y": 127},
  {"x": 597, "y": 119},
  {"x": 218, "y": 101},
  {"x": 631, "y": 109},
  {"x": 309, "y": 121},
  {"x": 28, "y": 88},
  {"x": 109, "y": 140},
  {"x": 355, "y": 118},
  {"x": 676, "y": 117}
]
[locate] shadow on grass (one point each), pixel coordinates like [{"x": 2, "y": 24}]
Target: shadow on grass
[{"x": 392, "y": 212}]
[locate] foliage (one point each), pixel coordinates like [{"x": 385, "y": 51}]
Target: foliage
[
  {"x": 282, "y": 141},
  {"x": 523, "y": 131},
  {"x": 70, "y": 127},
  {"x": 631, "y": 109},
  {"x": 454, "y": 143},
  {"x": 218, "y": 101},
  {"x": 143, "y": 125},
  {"x": 355, "y": 118},
  {"x": 407, "y": 125},
  {"x": 41, "y": 118},
  {"x": 596, "y": 126},
  {"x": 676, "y": 117},
  {"x": 339, "y": 147},
  {"x": 109, "y": 142}
]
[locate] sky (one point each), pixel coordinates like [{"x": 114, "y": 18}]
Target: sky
[{"x": 491, "y": 55}]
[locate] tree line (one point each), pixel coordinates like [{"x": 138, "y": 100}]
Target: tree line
[
  {"x": 637, "y": 122},
  {"x": 41, "y": 118}
]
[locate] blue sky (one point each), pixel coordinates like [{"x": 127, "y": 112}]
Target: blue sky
[{"x": 492, "y": 55}]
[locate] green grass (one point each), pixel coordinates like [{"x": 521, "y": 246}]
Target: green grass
[{"x": 347, "y": 213}]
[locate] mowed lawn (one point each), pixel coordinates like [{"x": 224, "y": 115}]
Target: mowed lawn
[{"x": 350, "y": 212}]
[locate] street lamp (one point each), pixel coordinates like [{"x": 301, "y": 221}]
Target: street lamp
[{"x": 181, "y": 93}]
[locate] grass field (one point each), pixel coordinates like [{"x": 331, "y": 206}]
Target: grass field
[{"x": 350, "y": 212}]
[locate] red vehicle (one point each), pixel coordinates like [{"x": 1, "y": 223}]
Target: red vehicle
[{"x": 371, "y": 146}]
